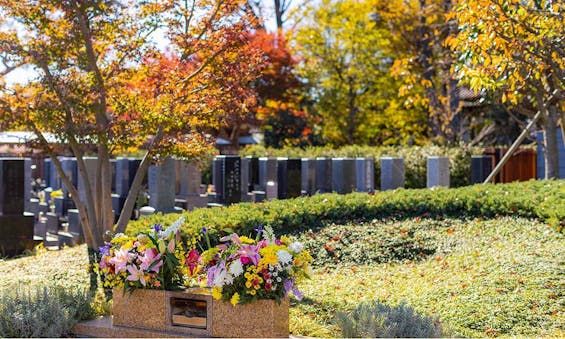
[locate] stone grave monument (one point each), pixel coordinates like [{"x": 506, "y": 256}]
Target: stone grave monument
[
  {"x": 392, "y": 173},
  {"x": 343, "y": 175},
  {"x": 16, "y": 226},
  {"x": 438, "y": 172}
]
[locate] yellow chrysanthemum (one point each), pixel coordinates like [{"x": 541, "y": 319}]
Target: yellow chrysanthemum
[
  {"x": 234, "y": 299},
  {"x": 285, "y": 240},
  {"x": 217, "y": 292},
  {"x": 246, "y": 240}
]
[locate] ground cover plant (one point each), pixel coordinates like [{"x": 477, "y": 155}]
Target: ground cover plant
[{"x": 498, "y": 277}]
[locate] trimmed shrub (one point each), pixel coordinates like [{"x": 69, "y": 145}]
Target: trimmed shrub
[
  {"x": 376, "y": 320},
  {"x": 415, "y": 159},
  {"x": 544, "y": 199},
  {"x": 47, "y": 311}
]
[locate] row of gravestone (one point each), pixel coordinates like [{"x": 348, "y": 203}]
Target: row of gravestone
[
  {"x": 253, "y": 179},
  {"x": 175, "y": 183}
]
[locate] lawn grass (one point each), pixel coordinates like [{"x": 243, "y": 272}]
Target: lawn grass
[{"x": 497, "y": 277}]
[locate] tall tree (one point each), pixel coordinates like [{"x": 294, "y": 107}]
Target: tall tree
[
  {"x": 346, "y": 62},
  {"x": 418, "y": 29},
  {"x": 102, "y": 81},
  {"x": 516, "y": 48}
]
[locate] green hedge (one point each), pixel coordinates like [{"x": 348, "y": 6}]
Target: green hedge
[
  {"x": 544, "y": 199},
  {"x": 415, "y": 159}
]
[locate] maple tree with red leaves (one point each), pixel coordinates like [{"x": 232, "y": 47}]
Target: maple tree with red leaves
[{"x": 103, "y": 81}]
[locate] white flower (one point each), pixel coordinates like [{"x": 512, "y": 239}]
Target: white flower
[
  {"x": 275, "y": 274},
  {"x": 220, "y": 278},
  {"x": 279, "y": 279},
  {"x": 284, "y": 257},
  {"x": 173, "y": 229},
  {"x": 236, "y": 268},
  {"x": 296, "y": 247}
]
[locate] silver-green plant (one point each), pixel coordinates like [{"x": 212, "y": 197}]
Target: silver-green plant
[
  {"x": 46, "y": 311},
  {"x": 377, "y": 320}
]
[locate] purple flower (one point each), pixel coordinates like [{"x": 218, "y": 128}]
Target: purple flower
[
  {"x": 289, "y": 286},
  {"x": 157, "y": 228},
  {"x": 204, "y": 230},
  {"x": 259, "y": 229},
  {"x": 105, "y": 250}
]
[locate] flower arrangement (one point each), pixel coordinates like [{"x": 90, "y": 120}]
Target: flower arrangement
[
  {"x": 241, "y": 269},
  {"x": 154, "y": 259}
]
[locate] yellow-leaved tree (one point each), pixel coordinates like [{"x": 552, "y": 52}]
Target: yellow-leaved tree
[{"x": 516, "y": 49}]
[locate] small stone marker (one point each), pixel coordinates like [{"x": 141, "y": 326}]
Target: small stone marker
[
  {"x": 438, "y": 172},
  {"x": 15, "y": 188},
  {"x": 392, "y": 173}
]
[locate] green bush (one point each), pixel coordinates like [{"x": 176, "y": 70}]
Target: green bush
[
  {"x": 46, "y": 311},
  {"x": 544, "y": 199},
  {"x": 376, "y": 320},
  {"x": 415, "y": 159}
]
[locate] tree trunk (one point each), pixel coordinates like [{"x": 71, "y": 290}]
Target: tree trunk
[
  {"x": 550, "y": 142},
  {"x": 351, "y": 118},
  {"x": 279, "y": 14}
]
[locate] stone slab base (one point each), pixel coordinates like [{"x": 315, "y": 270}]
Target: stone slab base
[{"x": 103, "y": 328}]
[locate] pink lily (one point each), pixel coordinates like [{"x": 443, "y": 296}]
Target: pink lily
[
  {"x": 249, "y": 253},
  {"x": 149, "y": 258},
  {"x": 121, "y": 259},
  {"x": 136, "y": 275}
]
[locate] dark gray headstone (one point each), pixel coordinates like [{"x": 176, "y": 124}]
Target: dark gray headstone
[
  {"x": 343, "y": 175},
  {"x": 267, "y": 171},
  {"x": 217, "y": 179},
  {"x": 392, "y": 173},
  {"x": 245, "y": 178},
  {"x": 34, "y": 207},
  {"x": 162, "y": 186},
  {"x": 308, "y": 176},
  {"x": 15, "y": 188},
  {"x": 113, "y": 166},
  {"x": 53, "y": 180},
  {"x": 52, "y": 222},
  {"x": 118, "y": 203},
  {"x": 323, "y": 175},
  {"x": 253, "y": 172},
  {"x": 126, "y": 168},
  {"x": 43, "y": 208},
  {"x": 47, "y": 171},
  {"x": 40, "y": 229},
  {"x": 438, "y": 172},
  {"x": 17, "y": 234},
  {"x": 481, "y": 166},
  {"x": 289, "y": 178},
  {"x": 74, "y": 222},
  {"x": 231, "y": 178},
  {"x": 365, "y": 175},
  {"x": 69, "y": 166}
]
